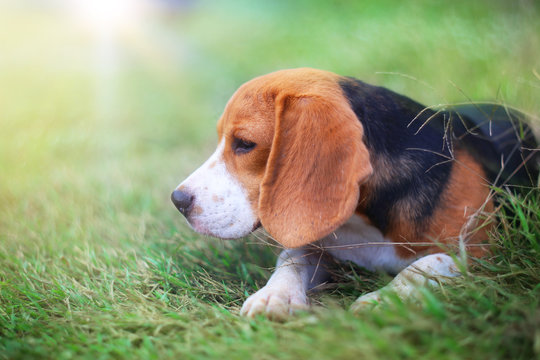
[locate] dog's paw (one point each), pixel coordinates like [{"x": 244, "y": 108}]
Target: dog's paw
[
  {"x": 401, "y": 287},
  {"x": 277, "y": 303},
  {"x": 367, "y": 301}
]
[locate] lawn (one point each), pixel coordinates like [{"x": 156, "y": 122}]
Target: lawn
[{"x": 97, "y": 128}]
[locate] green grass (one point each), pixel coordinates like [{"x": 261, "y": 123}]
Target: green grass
[{"x": 96, "y": 263}]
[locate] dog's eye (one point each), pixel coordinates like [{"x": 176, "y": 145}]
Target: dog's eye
[{"x": 241, "y": 146}]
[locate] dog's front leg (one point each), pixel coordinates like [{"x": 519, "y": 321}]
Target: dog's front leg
[{"x": 297, "y": 271}]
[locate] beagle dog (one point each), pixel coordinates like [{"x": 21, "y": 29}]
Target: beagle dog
[{"x": 332, "y": 166}]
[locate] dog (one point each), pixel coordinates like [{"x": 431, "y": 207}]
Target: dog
[{"x": 331, "y": 166}]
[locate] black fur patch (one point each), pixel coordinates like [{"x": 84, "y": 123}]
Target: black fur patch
[
  {"x": 398, "y": 134},
  {"x": 501, "y": 140},
  {"x": 400, "y": 131}
]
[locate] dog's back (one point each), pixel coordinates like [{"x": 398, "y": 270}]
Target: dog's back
[{"x": 501, "y": 139}]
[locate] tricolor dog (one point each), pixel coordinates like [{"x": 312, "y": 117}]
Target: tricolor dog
[{"x": 332, "y": 166}]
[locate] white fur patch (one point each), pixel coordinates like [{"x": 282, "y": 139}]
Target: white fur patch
[
  {"x": 221, "y": 207},
  {"x": 285, "y": 292},
  {"x": 427, "y": 271},
  {"x": 364, "y": 245}
]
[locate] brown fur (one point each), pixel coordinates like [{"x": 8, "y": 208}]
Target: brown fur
[
  {"x": 466, "y": 194},
  {"x": 465, "y": 207}
]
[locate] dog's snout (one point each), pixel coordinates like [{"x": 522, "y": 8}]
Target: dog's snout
[{"x": 182, "y": 200}]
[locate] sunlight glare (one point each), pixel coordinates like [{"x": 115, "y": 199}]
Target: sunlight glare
[{"x": 107, "y": 17}]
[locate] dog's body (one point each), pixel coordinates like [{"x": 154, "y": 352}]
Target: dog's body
[{"x": 331, "y": 165}]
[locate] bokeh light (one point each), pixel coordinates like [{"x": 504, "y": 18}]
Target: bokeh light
[{"x": 107, "y": 17}]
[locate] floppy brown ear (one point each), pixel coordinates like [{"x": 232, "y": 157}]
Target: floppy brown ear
[{"x": 316, "y": 163}]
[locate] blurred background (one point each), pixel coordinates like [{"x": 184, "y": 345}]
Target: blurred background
[{"x": 105, "y": 105}]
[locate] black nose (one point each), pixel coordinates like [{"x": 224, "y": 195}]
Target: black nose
[{"x": 182, "y": 200}]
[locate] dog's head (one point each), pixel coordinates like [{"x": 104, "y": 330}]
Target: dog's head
[{"x": 290, "y": 157}]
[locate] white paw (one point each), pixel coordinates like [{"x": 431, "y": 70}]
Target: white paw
[
  {"x": 276, "y": 303},
  {"x": 405, "y": 286},
  {"x": 367, "y": 301}
]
